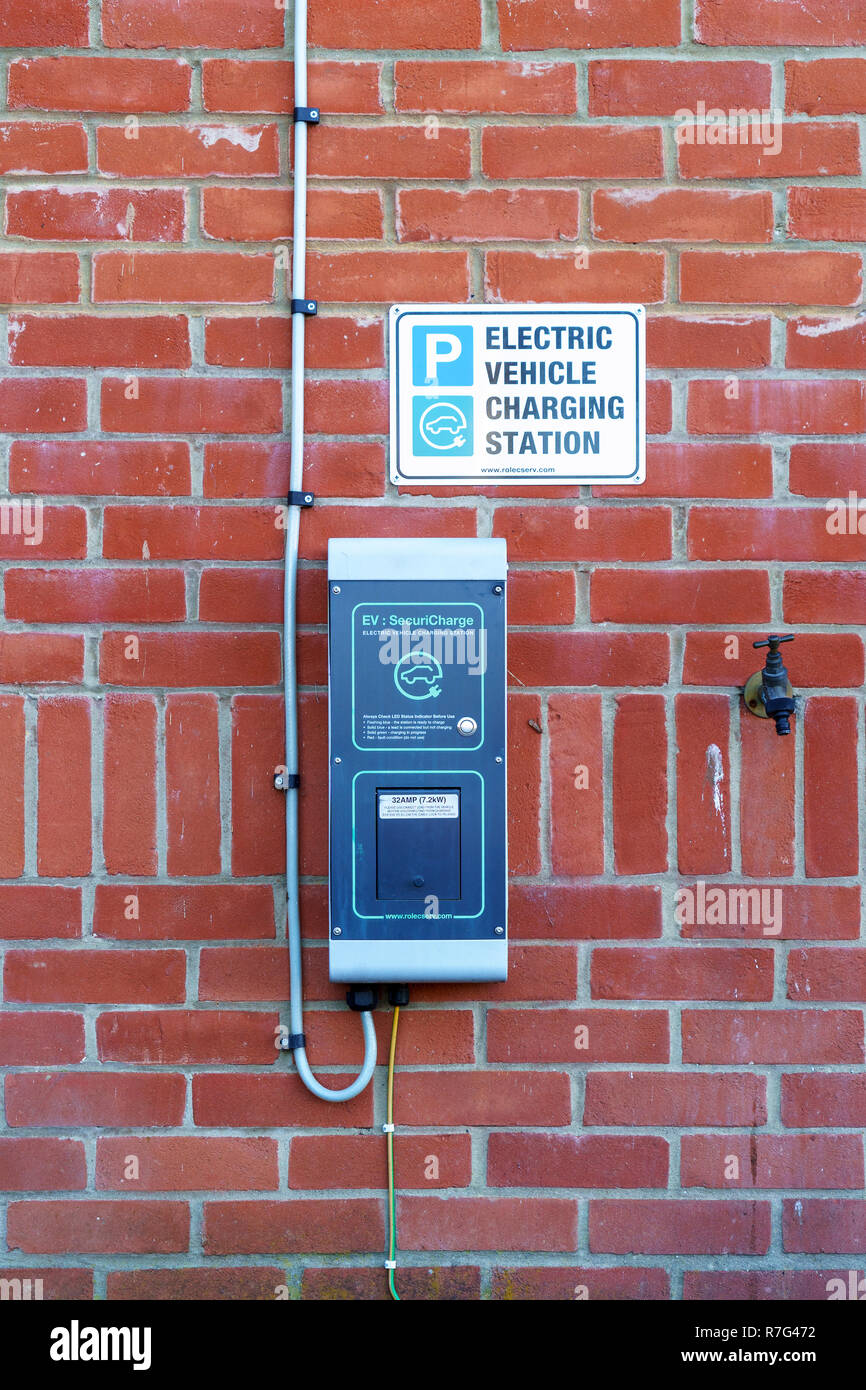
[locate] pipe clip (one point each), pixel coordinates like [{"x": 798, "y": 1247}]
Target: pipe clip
[
  {"x": 308, "y": 307},
  {"x": 300, "y": 499},
  {"x": 286, "y": 781},
  {"x": 308, "y": 115}
]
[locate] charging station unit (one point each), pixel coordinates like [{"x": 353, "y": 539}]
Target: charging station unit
[{"x": 417, "y": 721}]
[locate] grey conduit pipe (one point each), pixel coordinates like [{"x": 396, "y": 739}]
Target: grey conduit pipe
[{"x": 299, "y": 256}]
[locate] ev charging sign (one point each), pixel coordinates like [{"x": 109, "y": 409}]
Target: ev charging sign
[{"x": 531, "y": 394}]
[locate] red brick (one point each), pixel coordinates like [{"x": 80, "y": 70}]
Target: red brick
[
  {"x": 702, "y": 470},
  {"x": 33, "y": 658},
  {"x": 588, "y": 658},
  {"x": 835, "y": 597},
  {"x": 147, "y": 1228},
  {"x": 639, "y": 801},
  {"x": 571, "y": 151},
  {"x": 235, "y": 596},
  {"x": 813, "y": 1226},
  {"x": 37, "y": 911},
  {"x": 390, "y": 152},
  {"x": 728, "y": 658},
  {"x": 570, "y": 1160},
  {"x": 81, "y": 341},
  {"x": 391, "y": 24},
  {"x": 767, "y": 800},
  {"x": 717, "y": 533},
  {"x": 109, "y": 467},
  {"x": 705, "y": 341},
  {"x": 192, "y": 784},
  {"x": 35, "y": 277},
  {"x": 129, "y": 785},
  {"x": 42, "y": 1165},
  {"x": 826, "y": 87},
  {"x": 95, "y": 596},
  {"x": 107, "y": 214},
  {"x": 577, "y": 785},
  {"x": 247, "y": 1282},
  {"x": 606, "y": 276},
  {"x": 41, "y": 404},
  {"x": 194, "y": 533},
  {"x": 769, "y": 1160},
  {"x": 827, "y": 214},
  {"x": 425, "y": 1284},
  {"x": 826, "y": 343},
  {"x": 828, "y": 974},
  {"x": 55, "y": 1283},
  {"x": 648, "y": 87},
  {"x": 187, "y": 1163},
  {"x": 192, "y": 658},
  {"x": 192, "y": 405},
  {"x": 552, "y": 1035},
  {"x": 770, "y": 277},
  {"x": 485, "y": 1098},
  {"x": 703, "y": 784},
  {"x": 187, "y": 1037},
  {"x": 824, "y": 1098},
  {"x": 273, "y": 1100},
  {"x": 194, "y": 912},
  {"x": 487, "y": 1223},
  {"x": 298, "y": 1226},
  {"x": 189, "y": 152},
  {"x": 679, "y": 1227},
  {"x": 427, "y": 1036},
  {"x": 794, "y": 1036},
  {"x": 58, "y": 533},
  {"x": 795, "y": 150},
  {"x": 55, "y": 22},
  {"x": 266, "y": 342},
  {"x": 783, "y": 23},
  {"x": 584, "y": 912},
  {"x": 798, "y": 1285},
  {"x": 347, "y": 407},
  {"x": 540, "y": 596},
  {"x": 830, "y": 787},
  {"x": 191, "y": 24},
  {"x": 96, "y": 83},
  {"x": 671, "y": 972},
  {"x": 382, "y": 277},
  {"x": 681, "y": 214},
  {"x": 675, "y": 1098},
  {"x": 265, "y": 214},
  {"x": 231, "y": 84},
  {"x": 258, "y": 747},
  {"x": 89, "y": 1099},
  {"x": 488, "y": 214},
  {"x": 811, "y": 911},
  {"x": 819, "y": 406},
  {"x": 524, "y": 784},
  {"x": 39, "y": 1038},
  {"x": 358, "y": 1160},
  {"x": 605, "y": 24},
  {"x": 534, "y": 972},
  {"x": 585, "y": 533},
  {"x": 63, "y": 831},
  {"x": 12, "y": 748},
  {"x": 42, "y": 147},
  {"x": 81, "y": 976},
  {"x": 549, "y": 1282},
  {"x": 548, "y": 88},
  {"x": 196, "y": 277}
]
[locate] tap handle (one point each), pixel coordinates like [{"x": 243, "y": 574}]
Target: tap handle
[{"x": 773, "y": 641}]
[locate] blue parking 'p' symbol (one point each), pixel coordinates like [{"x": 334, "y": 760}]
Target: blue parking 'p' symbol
[{"x": 441, "y": 355}]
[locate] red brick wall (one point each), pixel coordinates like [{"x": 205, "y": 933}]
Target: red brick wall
[{"x": 707, "y": 1141}]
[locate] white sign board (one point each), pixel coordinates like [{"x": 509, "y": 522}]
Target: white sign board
[{"x": 524, "y": 393}]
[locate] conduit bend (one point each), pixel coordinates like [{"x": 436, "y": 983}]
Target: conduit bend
[{"x": 299, "y": 256}]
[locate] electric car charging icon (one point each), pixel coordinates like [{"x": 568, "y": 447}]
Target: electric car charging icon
[
  {"x": 443, "y": 426},
  {"x": 417, "y": 675}
]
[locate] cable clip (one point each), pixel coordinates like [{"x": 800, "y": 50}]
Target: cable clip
[
  {"x": 309, "y": 115},
  {"x": 296, "y": 1040},
  {"x": 308, "y": 307},
  {"x": 286, "y": 781},
  {"x": 300, "y": 499},
  {"x": 390, "y": 1264},
  {"x": 387, "y": 1129}
]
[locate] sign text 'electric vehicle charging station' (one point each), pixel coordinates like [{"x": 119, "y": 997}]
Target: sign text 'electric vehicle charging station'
[
  {"x": 417, "y": 760},
  {"x": 529, "y": 393}
]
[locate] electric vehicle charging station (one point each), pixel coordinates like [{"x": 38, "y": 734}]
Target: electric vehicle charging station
[{"x": 417, "y": 751}]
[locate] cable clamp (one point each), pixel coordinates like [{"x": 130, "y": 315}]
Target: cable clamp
[
  {"x": 308, "y": 307},
  {"x": 297, "y": 1040},
  {"x": 286, "y": 781},
  {"x": 387, "y": 1129},
  {"x": 300, "y": 499},
  {"x": 390, "y": 1264},
  {"x": 309, "y": 115}
]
